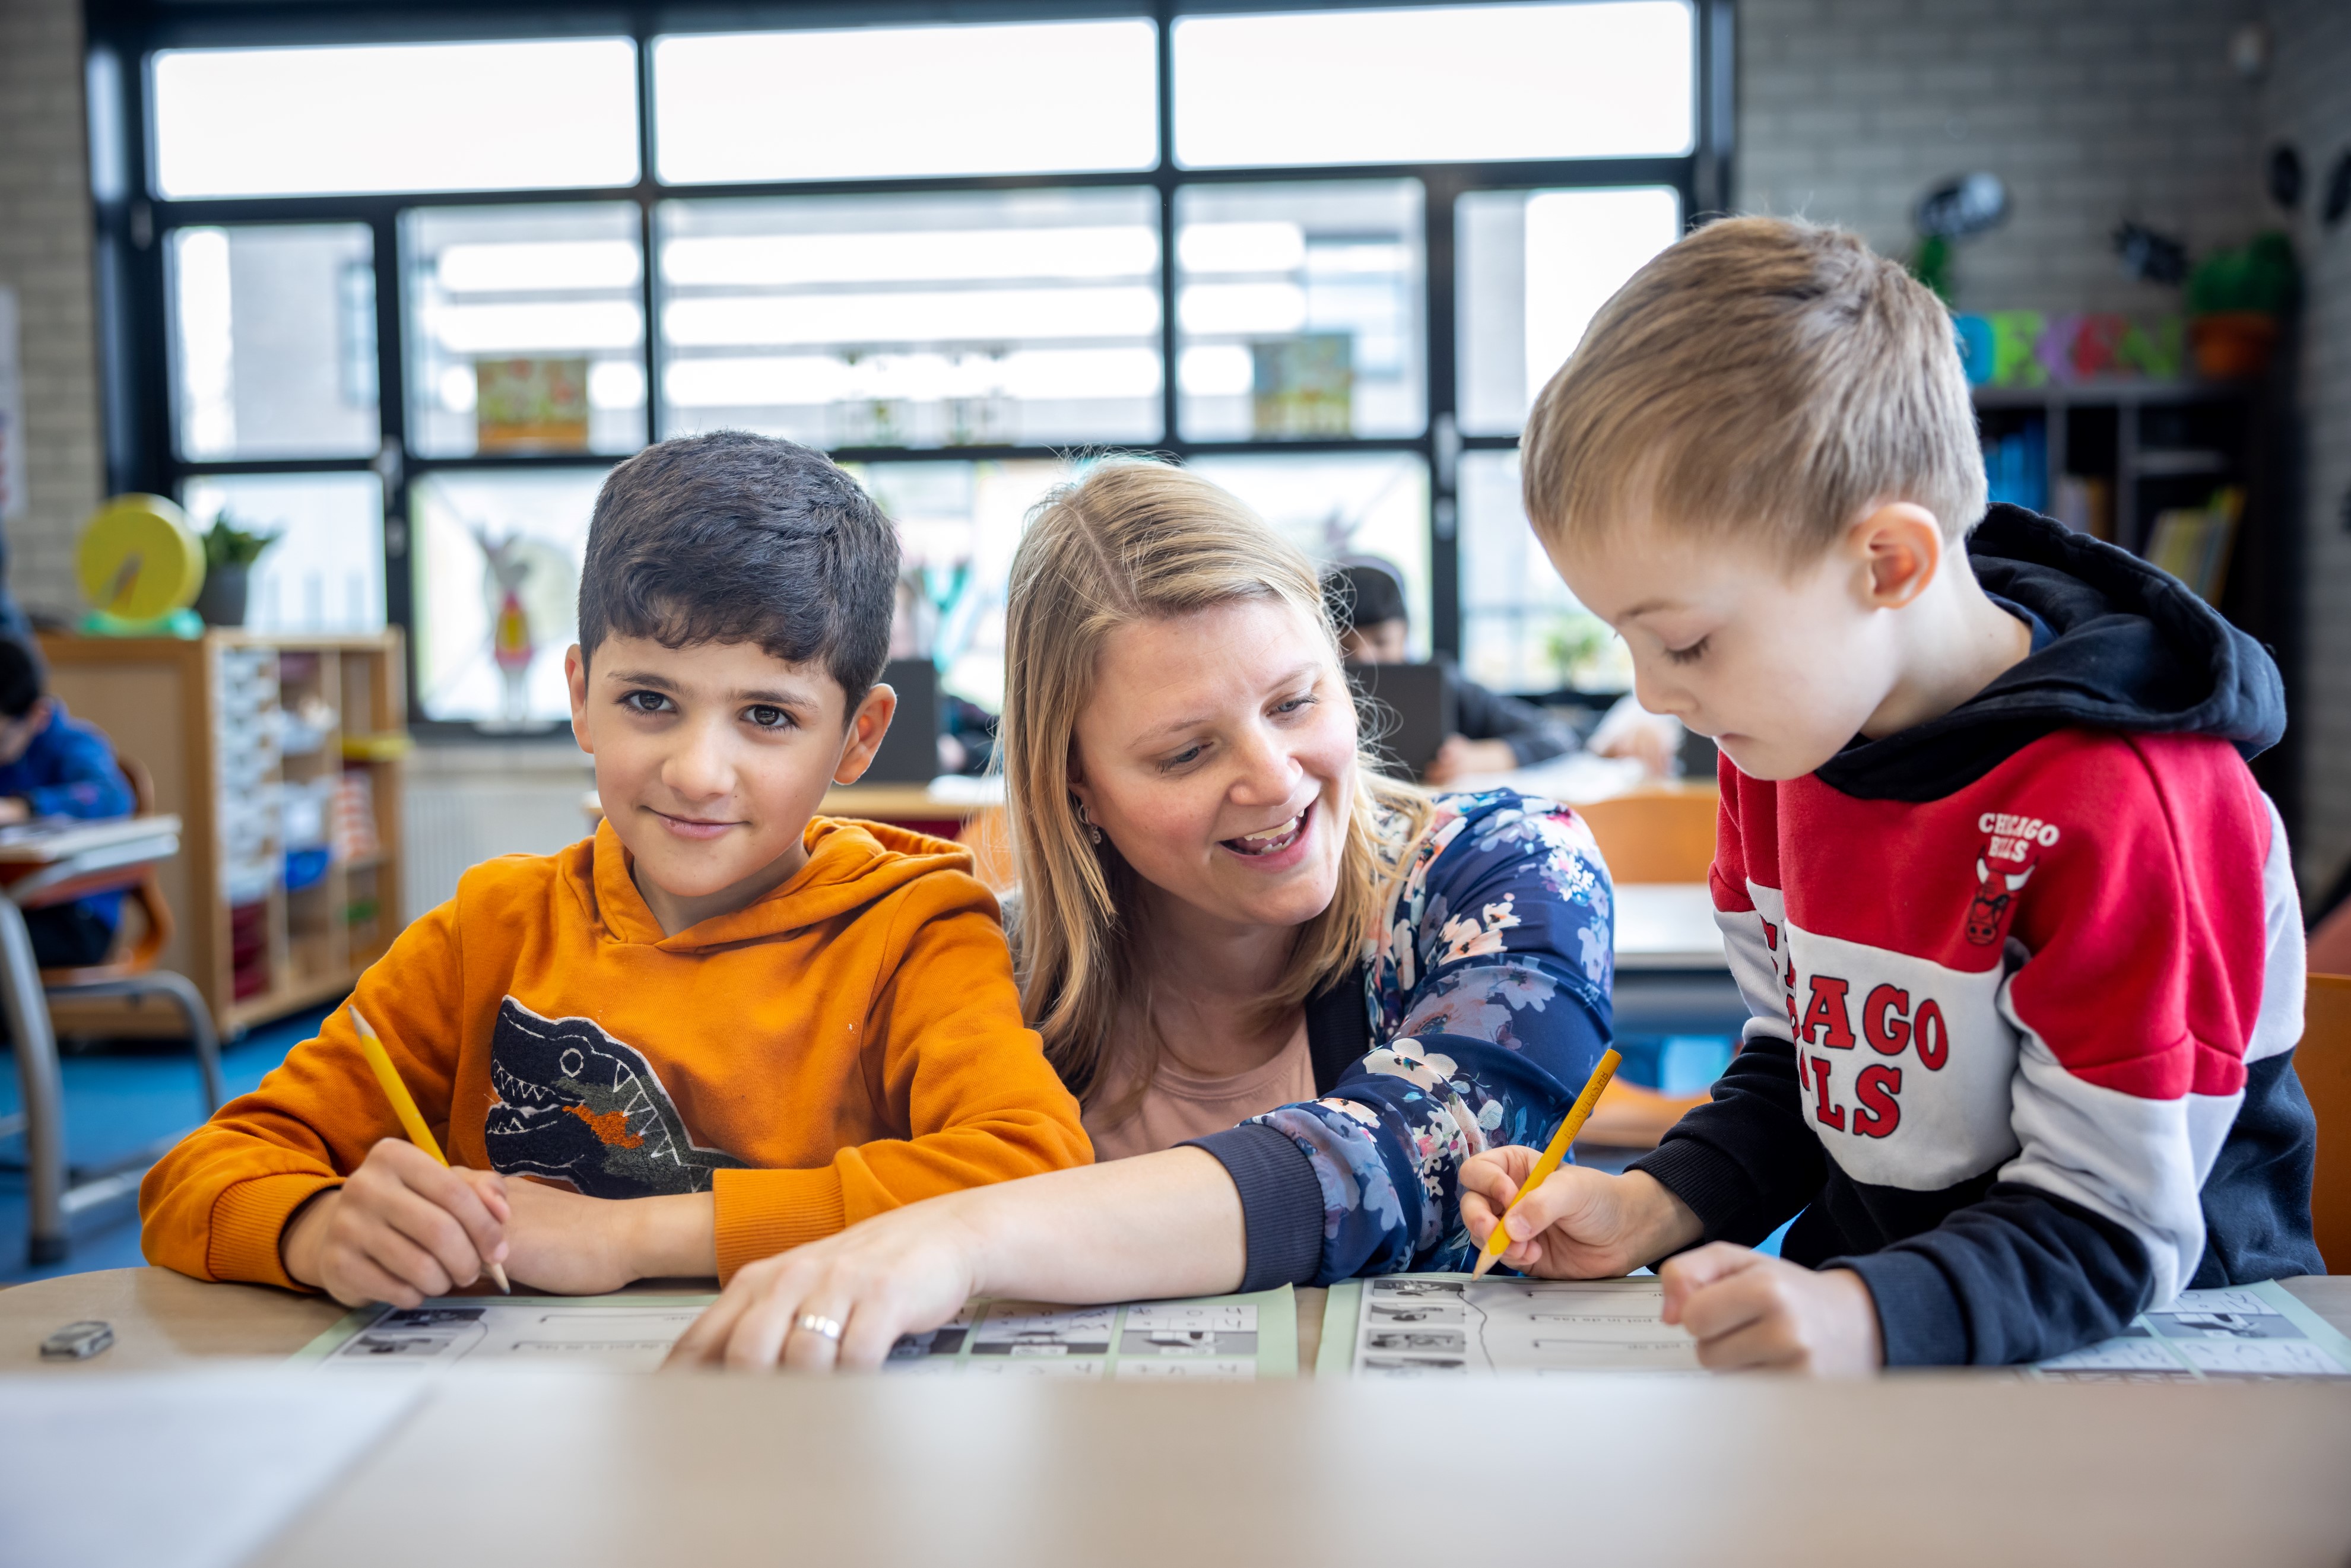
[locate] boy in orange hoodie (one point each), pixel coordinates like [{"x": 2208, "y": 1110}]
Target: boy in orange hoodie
[{"x": 722, "y": 1026}]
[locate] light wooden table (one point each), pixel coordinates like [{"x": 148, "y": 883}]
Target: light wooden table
[
  {"x": 589, "y": 1470},
  {"x": 161, "y": 1318}
]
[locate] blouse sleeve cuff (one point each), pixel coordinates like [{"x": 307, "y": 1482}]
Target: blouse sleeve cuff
[{"x": 1281, "y": 1203}]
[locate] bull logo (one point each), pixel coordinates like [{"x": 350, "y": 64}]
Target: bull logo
[{"x": 1989, "y": 910}]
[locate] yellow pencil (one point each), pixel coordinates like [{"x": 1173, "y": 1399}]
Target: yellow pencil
[
  {"x": 1581, "y": 1111},
  {"x": 404, "y": 1105}
]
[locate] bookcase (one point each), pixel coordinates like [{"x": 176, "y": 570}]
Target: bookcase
[
  {"x": 2112, "y": 457},
  {"x": 282, "y": 756}
]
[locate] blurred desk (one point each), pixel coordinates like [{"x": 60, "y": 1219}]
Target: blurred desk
[
  {"x": 969, "y": 810},
  {"x": 1667, "y": 925},
  {"x": 949, "y": 798},
  {"x": 716, "y": 1470}
]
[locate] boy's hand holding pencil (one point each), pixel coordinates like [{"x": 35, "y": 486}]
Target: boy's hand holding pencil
[
  {"x": 405, "y": 1225},
  {"x": 1745, "y": 1309}
]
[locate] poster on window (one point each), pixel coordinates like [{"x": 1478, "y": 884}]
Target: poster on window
[
  {"x": 530, "y": 405},
  {"x": 1304, "y": 385},
  {"x": 11, "y": 413}
]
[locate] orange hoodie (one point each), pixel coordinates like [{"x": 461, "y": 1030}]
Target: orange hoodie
[{"x": 849, "y": 1042}]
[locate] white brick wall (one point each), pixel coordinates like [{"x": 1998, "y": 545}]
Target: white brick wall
[
  {"x": 2307, "y": 102},
  {"x": 45, "y": 256}
]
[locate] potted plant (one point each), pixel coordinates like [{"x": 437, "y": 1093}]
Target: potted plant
[
  {"x": 229, "y": 554},
  {"x": 2236, "y": 300}
]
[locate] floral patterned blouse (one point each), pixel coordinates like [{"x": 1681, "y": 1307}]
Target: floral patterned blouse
[{"x": 1487, "y": 988}]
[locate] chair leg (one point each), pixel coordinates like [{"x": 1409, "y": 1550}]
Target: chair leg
[
  {"x": 201, "y": 1034},
  {"x": 27, "y": 1011},
  {"x": 190, "y": 1001}
]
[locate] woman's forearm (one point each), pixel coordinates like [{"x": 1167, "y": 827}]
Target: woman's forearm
[{"x": 1152, "y": 1227}]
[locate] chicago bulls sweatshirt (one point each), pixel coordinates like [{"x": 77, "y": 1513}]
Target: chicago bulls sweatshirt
[
  {"x": 846, "y": 1043},
  {"x": 2025, "y": 982}
]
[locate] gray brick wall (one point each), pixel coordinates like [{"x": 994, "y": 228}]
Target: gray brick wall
[
  {"x": 2307, "y": 102},
  {"x": 45, "y": 256},
  {"x": 2092, "y": 111}
]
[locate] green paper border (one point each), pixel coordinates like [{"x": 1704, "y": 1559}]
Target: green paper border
[{"x": 1342, "y": 1313}]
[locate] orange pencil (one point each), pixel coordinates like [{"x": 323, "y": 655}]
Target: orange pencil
[{"x": 1581, "y": 1111}]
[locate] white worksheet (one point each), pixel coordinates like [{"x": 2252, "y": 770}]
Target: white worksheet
[
  {"x": 609, "y": 1334},
  {"x": 1417, "y": 1325},
  {"x": 1421, "y": 1325},
  {"x": 1215, "y": 1337},
  {"x": 2236, "y": 1331}
]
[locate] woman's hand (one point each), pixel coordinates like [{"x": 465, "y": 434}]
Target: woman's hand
[
  {"x": 1580, "y": 1224},
  {"x": 1152, "y": 1227},
  {"x": 896, "y": 1274},
  {"x": 403, "y": 1228}
]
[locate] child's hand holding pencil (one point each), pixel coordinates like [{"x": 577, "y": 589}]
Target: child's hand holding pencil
[{"x": 404, "y": 1225}]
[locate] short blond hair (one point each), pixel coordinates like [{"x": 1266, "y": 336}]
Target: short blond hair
[
  {"x": 1131, "y": 541},
  {"x": 1763, "y": 376}
]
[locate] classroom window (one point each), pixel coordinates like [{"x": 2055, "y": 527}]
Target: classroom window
[
  {"x": 953, "y": 319},
  {"x": 1522, "y": 630},
  {"x": 525, "y": 329},
  {"x": 1531, "y": 266},
  {"x": 907, "y": 102},
  {"x": 1299, "y": 311},
  {"x": 1438, "y": 84},
  {"x": 273, "y": 340},
  {"x": 497, "y": 557},
  {"x": 966, "y": 257},
  {"x": 542, "y": 113},
  {"x": 958, "y": 524},
  {"x": 325, "y": 573},
  {"x": 1343, "y": 506}
]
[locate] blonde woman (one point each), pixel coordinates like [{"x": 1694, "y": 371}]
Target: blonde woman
[{"x": 1292, "y": 995}]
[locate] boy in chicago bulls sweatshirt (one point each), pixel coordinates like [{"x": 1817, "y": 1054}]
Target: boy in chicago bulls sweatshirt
[
  {"x": 723, "y": 1026},
  {"x": 2016, "y": 927}
]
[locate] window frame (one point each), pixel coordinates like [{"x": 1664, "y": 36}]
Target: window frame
[{"x": 133, "y": 225}]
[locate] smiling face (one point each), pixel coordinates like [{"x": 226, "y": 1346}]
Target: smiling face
[
  {"x": 1781, "y": 667},
  {"x": 710, "y": 760},
  {"x": 1217, "y": 751}
]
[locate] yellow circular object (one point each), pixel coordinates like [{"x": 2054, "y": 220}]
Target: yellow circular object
[{"x": 139, "y": 560}]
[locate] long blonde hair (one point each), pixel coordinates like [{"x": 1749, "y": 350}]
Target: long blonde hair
[{"x": 1136, "y": 541}]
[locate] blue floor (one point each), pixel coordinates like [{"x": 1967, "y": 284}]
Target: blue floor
[{"x": 118, "y": 1098}]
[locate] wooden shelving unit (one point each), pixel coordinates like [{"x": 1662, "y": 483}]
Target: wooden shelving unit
[
  {"x": 2161, "y": 445},
  {"x": 230, "y": 726}
]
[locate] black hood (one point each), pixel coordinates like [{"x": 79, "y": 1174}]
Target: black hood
[{"x": 2134, "y": 650}]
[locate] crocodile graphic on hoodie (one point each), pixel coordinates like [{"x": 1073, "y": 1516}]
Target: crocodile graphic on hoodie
[{"x": 577, "y": 1105}]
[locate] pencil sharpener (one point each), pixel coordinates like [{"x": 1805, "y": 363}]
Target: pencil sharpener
[{"x": 77, "y": 1341}]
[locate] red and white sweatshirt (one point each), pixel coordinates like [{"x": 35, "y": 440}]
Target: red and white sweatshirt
[{"x": 2025, "y": 984}]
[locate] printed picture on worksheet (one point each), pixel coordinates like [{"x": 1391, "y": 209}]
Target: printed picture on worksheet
[{"x": 1436, "y": 1324}]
